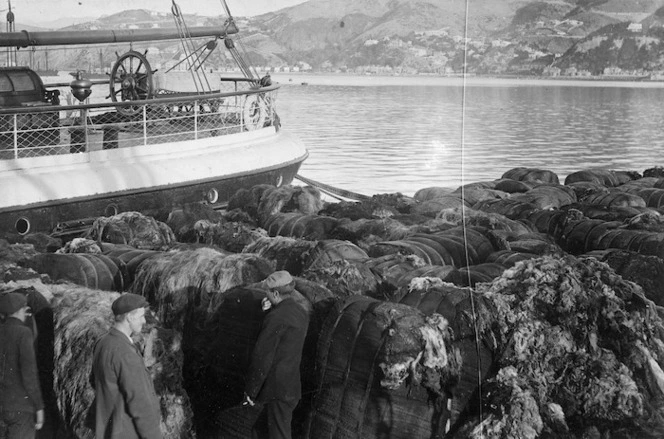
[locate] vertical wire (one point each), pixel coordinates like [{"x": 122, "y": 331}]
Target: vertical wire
[{"x": 463, "y": 212}]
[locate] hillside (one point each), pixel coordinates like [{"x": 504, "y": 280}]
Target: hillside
[{"x": 587, "y": 37}]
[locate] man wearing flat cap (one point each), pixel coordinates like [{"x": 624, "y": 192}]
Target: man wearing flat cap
[
  {"x": 21, "y": 404},
  {"x": 273, "y": 378},
  {"x": 126, "y": 405}
]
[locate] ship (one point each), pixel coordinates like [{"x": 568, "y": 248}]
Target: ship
[{"x": 70, "y": 155}]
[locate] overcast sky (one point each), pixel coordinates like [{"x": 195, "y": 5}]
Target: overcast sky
[{"x": 46, "y": 11}]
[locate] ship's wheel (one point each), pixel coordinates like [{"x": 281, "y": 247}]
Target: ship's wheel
[{"x": 131, "y": 80}]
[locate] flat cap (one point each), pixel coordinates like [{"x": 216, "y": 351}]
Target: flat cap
[
  {"x": 12, "y": 302},
  {"x": 128, "y": 302},
  {"x": 281, "y": 281}
]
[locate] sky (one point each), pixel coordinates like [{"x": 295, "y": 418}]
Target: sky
[{"x": 38, "y": 12}]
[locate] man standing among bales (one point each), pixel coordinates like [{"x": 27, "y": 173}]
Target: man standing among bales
[
  {"x": 21, "y": 404},
  {"x": 126, "y": 404},
  {"x": 274, "y": 374}
]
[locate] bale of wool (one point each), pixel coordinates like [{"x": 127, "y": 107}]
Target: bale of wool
[
  {"x": 581, "y": 350},
  {"x": 247, "y": 200},
  {"x": 487, "y": 220},
  {"x": 651, "y": 221},
  {"x": 654, "y": 197},
  {"x": 42, "y": 242},
  {"x": 470, "y": 318},
  {"x": 508, "y": 258},
  {"x": 182, "y": 221},
  {"x": 432, "y": 207},
  {"x": 532, "y": 175},
  {"x": 81, "y": 317},
  {"x": 131, "y": 257},
  {"x": 584, "y": 188},
  {"x": 609, "y": 213},
  {"x": 365, "y": 231},
  {"x": 509, "y": 207},
  {"x": 383, "y": 370},
  {"x": 615, "y": 199},
  {"x": 95, "y": 271},
  {"x": 182, "y": 286},
  {"x": 473, "y": 195},
  {"x": 548, "y": 196},
  {"x": 553, "y": 222},
  {"x": 646, "y": 271},
  {"x": 229, "y": 236},
  {"x": 344, "y": 277},
  {"x": 288, "y": 254},
  {"x": 367, "y": 209},
  {"x": 330, "y": 250},
  {"x": 132, "y": 228},
  {"x": 603, "y": 177},
  {"x": 429, "y": 193},
  {"x": 80, "y": 245},
  {"x": 402, "y": 203},
  {"x": 512, "y": 186},
  {"x": 298, "y": 225},
  {"x": 407, "y": 247},
  {"x": 306, "y": 200},
  {"x": 471, "y": 275}
]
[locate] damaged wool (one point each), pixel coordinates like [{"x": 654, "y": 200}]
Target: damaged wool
[{"x": 574, "y": 336}]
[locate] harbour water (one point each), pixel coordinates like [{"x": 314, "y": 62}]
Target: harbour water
[{"x": 399, "y": 134}]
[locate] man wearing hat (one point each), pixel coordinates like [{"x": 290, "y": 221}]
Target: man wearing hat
[
  {"x": 126, "y": 405},
  {"x": 273, "y": 378},
  {"x": 21, "y": 404}
]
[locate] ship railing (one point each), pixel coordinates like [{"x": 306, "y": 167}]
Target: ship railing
[{"x": 42, "y": 130}]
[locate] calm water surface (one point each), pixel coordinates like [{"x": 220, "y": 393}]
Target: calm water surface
[{"x": 383, "y": 135}]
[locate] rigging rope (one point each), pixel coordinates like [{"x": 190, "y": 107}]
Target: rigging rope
[
  {"x": 330, "y": 190},
  {"x": 200, "y": 80}
]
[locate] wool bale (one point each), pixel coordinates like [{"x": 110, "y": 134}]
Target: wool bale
[
  {"x": 548, "y": 196},
  {"x": 288, "y": 254},
  {"x": 429, "y": 193},
  {"x": 344, "y": 277},
  {"x": 508, "y": 258},
  {"x": 247, "y": 200},
  {"x": 298, "y": 225},
  {"x": 532, "y": 175},
  {"x": 289, "y": 198},
  {"x": 182, "y": 220},
  {"x": 385, "y": 229},
  {"x": 473, "y": 195},
  {"x": 470, "y": 317},
  {"x": 383, "y": 369},
  {"x": 511, "y": 208},
  {"x": 80, "y": 245},
  {"x": 615, "y": 199},
  {"x": 134, "y": 229},
  {"x": 330, "y": 250},
  {"x": 229, "y": 236},
  {"x": 81, "y": 317},
  {"x": 182, "y": 286},
  {"x": 42, "y": 242},
  {"x": 656, "y": 171},
  {"x": 603, "y": 177},
  {"x": 512, "y": 186},
  {"x": 95, "y": 271},
  {"x": 432, "y": 208},
  {"x": 572, "y": 336}
]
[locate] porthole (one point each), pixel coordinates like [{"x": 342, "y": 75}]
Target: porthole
[
  {"x": 111, "y": 210},
  {"x": 280, "y": 180},
  {"x": 22, "y": 226},
  {"x": 212, "y": 196}
]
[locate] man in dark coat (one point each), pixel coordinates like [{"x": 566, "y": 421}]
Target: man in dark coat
[
  {"x": 21, "y": 404},
  {"x": 126, "y": 404},
  {"x": 273, "y": 378}
]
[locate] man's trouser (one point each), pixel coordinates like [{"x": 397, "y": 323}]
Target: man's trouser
[
  {"x": 274, "y": 421},
  {"x": 17, "y": 425}
]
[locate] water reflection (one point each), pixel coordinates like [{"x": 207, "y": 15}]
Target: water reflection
[{"x": 397, "y": 138}]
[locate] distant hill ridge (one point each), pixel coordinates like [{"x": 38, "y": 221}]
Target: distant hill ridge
[{"x": 431, "y": 36}]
